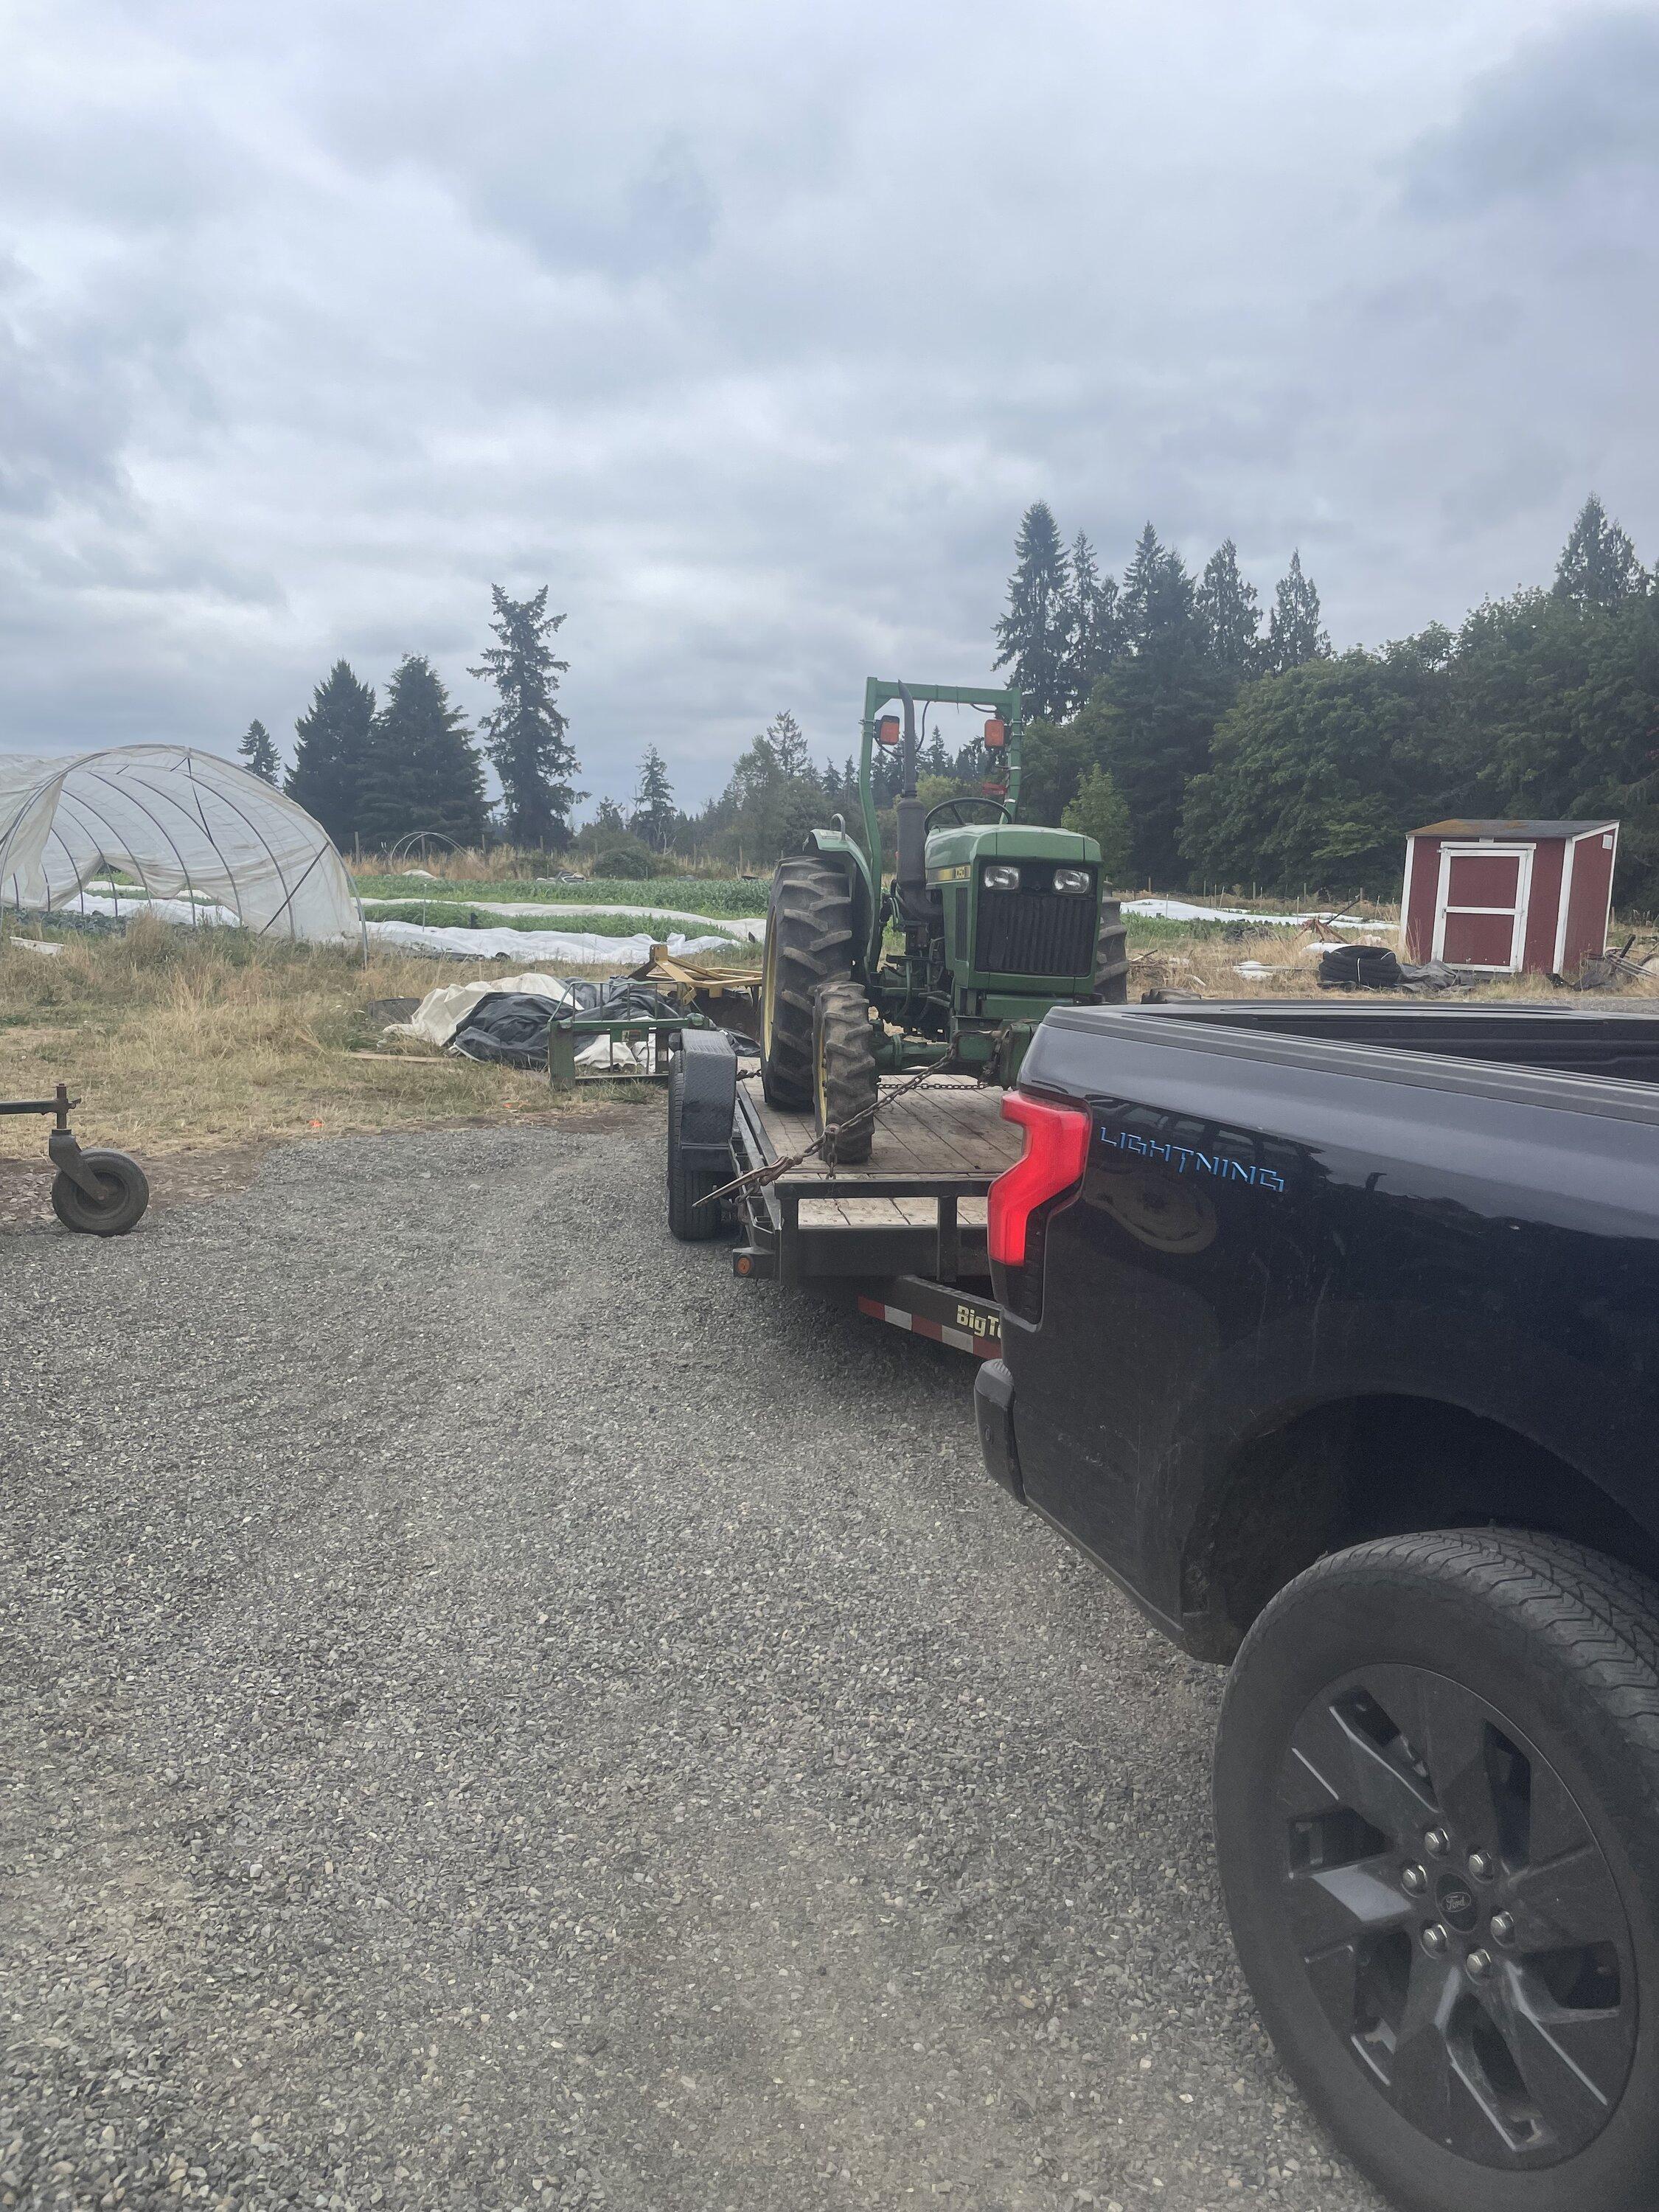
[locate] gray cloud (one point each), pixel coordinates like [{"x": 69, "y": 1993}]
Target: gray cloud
[{"x": 750, "y": 329}]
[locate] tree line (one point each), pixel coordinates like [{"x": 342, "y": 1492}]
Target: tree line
[
  {"x": 374, "y": 771},
  {"x": 1238, "y": 752}
]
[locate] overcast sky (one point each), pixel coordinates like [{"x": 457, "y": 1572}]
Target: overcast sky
[{"x": 750, "y": 328}]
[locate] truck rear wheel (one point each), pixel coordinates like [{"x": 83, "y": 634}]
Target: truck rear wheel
[
  {"x": 809, "y": 942},
  {"x": 1437, "y": 1802},
  {"x": 845, "y": 1084}
]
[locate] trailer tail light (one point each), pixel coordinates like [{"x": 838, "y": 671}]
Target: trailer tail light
[{"x": 1050, "y": 1166}]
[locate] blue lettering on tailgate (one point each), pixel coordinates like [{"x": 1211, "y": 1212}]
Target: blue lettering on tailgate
[{"x": 1186, "y": 1159}]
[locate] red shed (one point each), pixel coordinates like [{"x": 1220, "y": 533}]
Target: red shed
[{"x": 1509, "y": 897}]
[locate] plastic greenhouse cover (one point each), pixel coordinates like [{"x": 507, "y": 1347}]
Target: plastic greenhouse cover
[{"x": 185, "y": 823}]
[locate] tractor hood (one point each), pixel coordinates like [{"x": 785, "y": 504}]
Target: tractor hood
[{"x": 957, "y": 846}]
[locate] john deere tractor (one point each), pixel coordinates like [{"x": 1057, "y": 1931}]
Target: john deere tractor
[{"x": 996, "y": 921}]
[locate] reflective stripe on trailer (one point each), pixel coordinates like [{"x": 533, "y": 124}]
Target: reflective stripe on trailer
[{"x": 919, "y": 1325}]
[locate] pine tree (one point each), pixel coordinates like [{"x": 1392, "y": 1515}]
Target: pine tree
[
  {"x": 332, "y": 741},
  {"x": 787, "y": 742},
  {"x": 1089, "y": 621},
  {"x": 525, "y": 735},
  {"x": 1031, "y": 635},
  {"x": 1149, "y": 722},
  {"x": 420, "y": 771},
  {"x": 1598, "y": 565},
  {"x": 259, "y": 750},
  {"x": 1294, "y": 636},
  {"x": 654, "y": 812},
  {"x": 1228, "y": 609}
]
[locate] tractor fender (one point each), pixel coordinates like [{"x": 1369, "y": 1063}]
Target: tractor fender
[{"x": 835, "y": 844}]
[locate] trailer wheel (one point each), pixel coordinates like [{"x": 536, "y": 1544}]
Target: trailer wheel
[
  {"x": 691, "y": 1216},
  {"x": 1437, "y": 1801},
  {"x": 809, "y": 942},
  {"x": 845, "y": 1084},
  {"x": 125, "y": 1195}
]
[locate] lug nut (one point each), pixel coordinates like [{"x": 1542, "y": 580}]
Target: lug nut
[
  {"x": 1414, "y": 1881},
  {"x": 1479, "y": 1963},
  {"x": 1481, "y": 1865},
  {"x": 1435, "y": 1939},
  {"x": 1503, "y": 1927},
  {"x": 1437, "y": 1842}
]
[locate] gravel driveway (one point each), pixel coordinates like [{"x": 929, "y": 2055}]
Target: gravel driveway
[{"x": 497, "y": 1713}]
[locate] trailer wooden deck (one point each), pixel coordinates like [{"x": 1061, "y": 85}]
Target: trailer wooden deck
[{"x": 919, "y": 1197}]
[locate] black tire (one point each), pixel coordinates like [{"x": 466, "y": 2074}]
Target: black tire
[
  {"x": 688, "y": 1218},
  {"x": 809, "y": 942},
  {"x": 845, "y": 1084},
  {"x": 1422, "y": 1736},
  {"x": 1111, "y": 956},
  {"x": 127, "y": 1195}
]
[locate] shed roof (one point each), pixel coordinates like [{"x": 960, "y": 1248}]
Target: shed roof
[{"x": 1460, "y": 826}]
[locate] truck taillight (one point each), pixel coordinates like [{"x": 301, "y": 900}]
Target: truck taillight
[{"x": 1057, "y": 1152}]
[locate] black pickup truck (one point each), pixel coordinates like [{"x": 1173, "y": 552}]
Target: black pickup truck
[{"x": 1332, "y": 1334}]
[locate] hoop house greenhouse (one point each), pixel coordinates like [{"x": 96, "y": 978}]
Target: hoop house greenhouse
[{"x": 206, "y": 841}]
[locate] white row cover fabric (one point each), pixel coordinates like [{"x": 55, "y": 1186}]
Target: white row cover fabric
[{"x": 185, "y": 823}]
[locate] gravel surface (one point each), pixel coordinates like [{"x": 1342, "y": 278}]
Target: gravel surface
[{"x": 498, "y": 1713}]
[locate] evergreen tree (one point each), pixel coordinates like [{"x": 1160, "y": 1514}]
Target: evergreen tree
[
  {"x": 654, "y": 812},
  {"x": 788, "y": 742},
  {"x": 1090, "y": 621},
  {"x": 332, "y": 745},
  {"x": 420, "y": 770},
  {"x": 1294, "y": 635},
  {"x": 1149, "y": 723},
  {"x": 1031, "y": 636},
  {"x": 1598, "y": 565},
  {"x": 1228, "y": 609},
  {"x": 525, "y": 735},
  {"x": 259, "y": 750}
]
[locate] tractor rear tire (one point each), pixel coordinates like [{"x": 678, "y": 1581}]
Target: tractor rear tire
[
  {"x": 809, "y": 943},
  {"x": 1111, "y": 956},
  {"x": 845, "y": 1084}
]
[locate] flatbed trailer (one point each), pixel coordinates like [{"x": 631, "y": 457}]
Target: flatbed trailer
[{"x": 902, "y": 1235}]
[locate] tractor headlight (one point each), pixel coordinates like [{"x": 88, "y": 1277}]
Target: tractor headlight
[
  {"x": 1001, "y": 878},
  {"x": 1071, "y": 879}
]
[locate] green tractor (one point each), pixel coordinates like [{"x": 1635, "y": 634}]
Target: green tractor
[{"x": 999, "y": 922}]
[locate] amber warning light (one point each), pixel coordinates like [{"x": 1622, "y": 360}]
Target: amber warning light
[
  {"x": 887, "y": 729},
  {"x": 996, "y": 734}
]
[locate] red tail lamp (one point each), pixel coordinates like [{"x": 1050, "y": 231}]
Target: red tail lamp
[{"x": 1057, "y": 1152}]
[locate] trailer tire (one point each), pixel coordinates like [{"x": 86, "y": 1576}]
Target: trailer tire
[
  {"x": 1437, "y": 1802},
  {"x": 844, "y": 1082},
  {"x": 809, "y": 943},
  {"x": 691, "y": 1217},
  {"x": 127, "y": 1195}
]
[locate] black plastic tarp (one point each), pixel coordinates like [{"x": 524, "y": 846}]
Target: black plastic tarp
[{"x": 511, "y": 1026}]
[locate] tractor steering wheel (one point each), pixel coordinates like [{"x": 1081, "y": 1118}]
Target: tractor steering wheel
[{"x": 954, "y": 806}]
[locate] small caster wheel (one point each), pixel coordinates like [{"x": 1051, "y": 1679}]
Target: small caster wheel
[{"x": 126, "y": 1193}]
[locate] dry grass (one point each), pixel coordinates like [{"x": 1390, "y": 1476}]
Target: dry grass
[
  {"x": 175, "y": 1040},
  {"x": 1209, "y": 963}
]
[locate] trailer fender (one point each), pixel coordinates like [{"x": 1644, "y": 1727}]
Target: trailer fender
[{"x": 708, "y": 1103}]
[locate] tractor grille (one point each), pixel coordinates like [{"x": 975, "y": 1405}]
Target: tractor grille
[{"x": 1035, "y": 934}]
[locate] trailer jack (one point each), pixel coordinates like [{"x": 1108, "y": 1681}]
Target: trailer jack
[{"x": 101, "y": 1194}]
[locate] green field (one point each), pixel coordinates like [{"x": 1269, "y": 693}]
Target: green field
[
  {"x": 710, "y": 895},
  {"x": 450, "y": 914}
]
